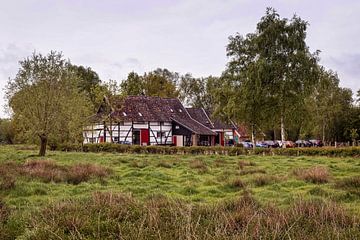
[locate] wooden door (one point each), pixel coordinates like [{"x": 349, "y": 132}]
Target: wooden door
[{"x": 144, "y": 137}]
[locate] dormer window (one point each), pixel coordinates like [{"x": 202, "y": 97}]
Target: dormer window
[
  {"x": 140, "y": 114},
  {"x": 180, "y": 110},
  {"x": 171, "y": 110},
  {"x": 124, "y": 113}
]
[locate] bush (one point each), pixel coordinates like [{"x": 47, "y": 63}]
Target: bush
[
  {"x": 237, "y": 183},
  {"x": 263, "y": 180},
  {"x": 48, "y": 171},
  {"x": 83, "y": 172},
  {"x": 352, "y": 182},
  {"x": 232, "y": 151},
  {"x": 314, "y": 174}
]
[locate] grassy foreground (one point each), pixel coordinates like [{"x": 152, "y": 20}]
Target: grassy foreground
[{"x": 124, "y": 196}]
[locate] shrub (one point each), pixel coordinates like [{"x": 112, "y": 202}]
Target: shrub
[
  {"x": 243, "y": 164},
  {"x": 237, "y": 183},
  {"x": 199, "y": 165},
  {"x": 263, "y": 180},
  {"x": 351, "y": 182},
  {"x": 316, "y": 174},
  {"x": 232, "y": 151},
  {"x": 83, "y": 172},
  {"x": 46, "y": 170}
]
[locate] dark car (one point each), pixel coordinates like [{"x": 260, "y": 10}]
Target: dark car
[
  {"x": 272, "y": 144},
  {"x": 316, "y": 143},
  {"x": 303, "y": 143},
  {"x": 247, "y": 144},
  {"x": 261, "y": 145}
]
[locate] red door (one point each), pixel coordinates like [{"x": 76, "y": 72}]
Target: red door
[
  {"x": 174, "y": 140},
  {"x": 144, "y": 138}
]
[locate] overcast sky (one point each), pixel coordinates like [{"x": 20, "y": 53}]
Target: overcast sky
[{"x": 114, "y": 37}]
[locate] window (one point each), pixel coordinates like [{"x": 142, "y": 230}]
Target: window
[
  {"x": 124, "y": 113},
  {"x": 140, "y": 114},
  {"x": 171, "y": 110},
  {"x": 92, "y": 140},
  {"x": 180, "y": 110},
  {"x": 116, "y": 139},
  {"x": 177, "y": 127}
]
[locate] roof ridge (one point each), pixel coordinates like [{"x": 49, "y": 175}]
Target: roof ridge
[
  {"x": 196, "y": 120},
  {"x": 212, "y": 124}
]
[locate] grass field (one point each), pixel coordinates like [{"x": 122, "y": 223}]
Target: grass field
[{"x": 30, "y": 185}]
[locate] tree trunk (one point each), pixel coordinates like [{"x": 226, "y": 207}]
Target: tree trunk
[
  {"x": 282, "y": 126},
  {"x": 323, "y": 133},
  {"x": 43, "y": 143},
  {"x": 253, "y": 136}
]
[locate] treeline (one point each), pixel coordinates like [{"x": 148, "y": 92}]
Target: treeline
[{"x": 272, "y": 84}]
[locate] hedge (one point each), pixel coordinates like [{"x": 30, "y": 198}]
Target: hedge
[{"x": 231, "y": 151}]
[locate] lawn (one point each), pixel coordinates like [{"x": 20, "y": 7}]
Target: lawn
[{"x": 201, "y": 180}]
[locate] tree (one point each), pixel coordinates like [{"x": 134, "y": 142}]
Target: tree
[
  {"x": 198, "y": 92},
  {"x": 160, "y": 83},
  {"x": 276, "y": 68},
  {"x": 7, "y": 133},
  {"x": 133, "y": 85},
  {"x": 242, "y": 97},
  {"x": 45, "y": 100}
]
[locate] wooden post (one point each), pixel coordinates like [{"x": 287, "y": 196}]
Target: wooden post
[
  {"x": 104, "y": 131},
  {"x": 92, "y": 132},
  {"x": 194, "y": 137}
]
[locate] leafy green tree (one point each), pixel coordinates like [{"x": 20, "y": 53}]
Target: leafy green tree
[
  {"x": 133, "y": 85},
  {"x": 272, "y": 72},
  {"x": 242, "y": 96},
  {"x": 285, "y": 60},
  {"x": 87, "y": 81},
  {"x": 45, "y": 100},
  {"x": 7, "y": 132},
  {"x": 160, "y": 83},
  {"x": 198, "y": 92}
]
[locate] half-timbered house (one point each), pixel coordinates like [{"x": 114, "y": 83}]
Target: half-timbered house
[
  {"x": 226, "y": 132},
  {"x": 143, "y": 120}
]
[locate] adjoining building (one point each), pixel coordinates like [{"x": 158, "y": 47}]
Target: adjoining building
[{"x": 142, "y": 120}]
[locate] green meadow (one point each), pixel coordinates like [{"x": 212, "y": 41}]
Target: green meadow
[{"x": 29, "y": 184}]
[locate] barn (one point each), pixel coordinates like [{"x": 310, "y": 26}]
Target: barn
[{"x": 143, "y": 120}]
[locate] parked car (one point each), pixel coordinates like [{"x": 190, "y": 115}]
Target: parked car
[
  {"x": 272, "y": 144},
  {"x": 316, "y": 143},
  {"x": 247, "y": 144},
  {"x": 261, "y": 145},
  {"x": 303, "y": 143},
  {"x": 290, "y": 144}
]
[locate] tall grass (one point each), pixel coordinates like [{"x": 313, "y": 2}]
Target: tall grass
[
  {"x": 120, "y": 216},
  {"x": 317, "y": 174},
  {"x": 49, "y": 171}
]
